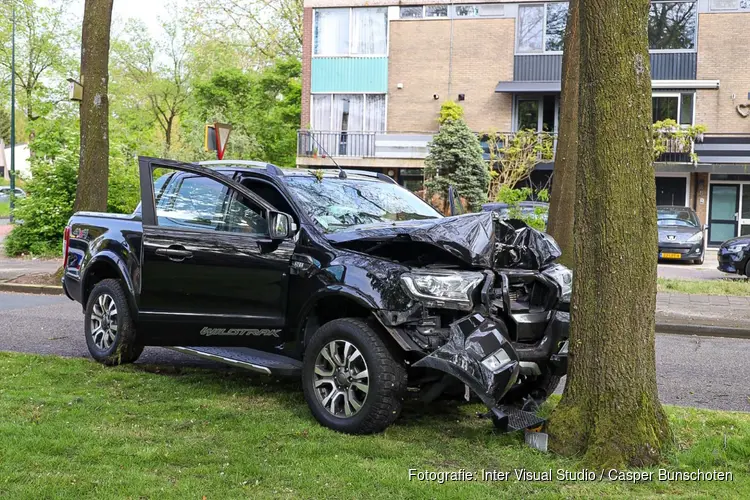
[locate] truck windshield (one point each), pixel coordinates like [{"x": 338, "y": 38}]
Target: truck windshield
[{"x": 336, "y": 204}]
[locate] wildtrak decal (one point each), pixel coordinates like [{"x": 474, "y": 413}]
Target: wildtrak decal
[{"x": 239, "y": 332}]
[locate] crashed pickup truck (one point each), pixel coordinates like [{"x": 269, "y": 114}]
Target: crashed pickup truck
[{"x": 342, "y": 278}]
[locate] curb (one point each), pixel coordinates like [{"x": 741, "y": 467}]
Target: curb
[
  {"x": 32, "y": 289},
  {"x": 703, "y": 330}
]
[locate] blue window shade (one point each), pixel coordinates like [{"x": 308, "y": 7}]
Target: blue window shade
[{"x": 349, "y": 74}]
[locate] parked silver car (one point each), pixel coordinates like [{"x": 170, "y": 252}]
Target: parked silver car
[{"x": 5, "y": 193}]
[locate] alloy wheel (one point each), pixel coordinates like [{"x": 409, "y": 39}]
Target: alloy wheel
[
  {"x": 341, "y": 380},
  {"x": 104, "y": 322}
]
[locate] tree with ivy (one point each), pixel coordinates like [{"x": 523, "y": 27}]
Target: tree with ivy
[{"x": 455, "y": 159}]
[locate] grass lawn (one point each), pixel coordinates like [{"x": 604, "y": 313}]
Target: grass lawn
[
  {"x": 4, "y": 208},
  {"x": 71, "y": 428},
  {"x": 737, "y": 286}
]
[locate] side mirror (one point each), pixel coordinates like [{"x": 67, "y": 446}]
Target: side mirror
[{"x": 280, "y": 225}]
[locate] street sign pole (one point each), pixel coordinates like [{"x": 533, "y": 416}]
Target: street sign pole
[{"x": 13, "y": 115}]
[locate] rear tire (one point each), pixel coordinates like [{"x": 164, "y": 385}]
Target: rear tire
[
  {"x": 352, "y": 381},
  {"x": 109, "y": 327}
]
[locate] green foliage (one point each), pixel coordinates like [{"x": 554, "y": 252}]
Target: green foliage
[
  {"x": 513, "y": 197},
  {"x": 455, "y": 159},
  {"x": 514, "y": 156},
  {"x": 52, "y": 187},
  {"x": 450, "y": 110},
  {"x": 669, "y": 136},
  {"x": 264, "y": 109},
  {"x": 4, "y": 126}
]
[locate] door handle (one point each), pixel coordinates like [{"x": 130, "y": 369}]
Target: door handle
[{"x": 175, "y": 253}]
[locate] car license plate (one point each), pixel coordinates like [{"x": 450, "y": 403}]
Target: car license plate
[{"x": 666, "y": 255}]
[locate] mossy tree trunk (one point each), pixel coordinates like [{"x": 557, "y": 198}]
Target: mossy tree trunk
[
  {"x": 610, "y": 411},
  {"x": 562, "y": 201},
  {"x": 91, "y": 193}
]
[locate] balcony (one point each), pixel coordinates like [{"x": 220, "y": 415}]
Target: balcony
[{"x": 393, "y": 145}]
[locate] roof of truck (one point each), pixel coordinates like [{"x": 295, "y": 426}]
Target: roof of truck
[{"x": 273, "y": 170}]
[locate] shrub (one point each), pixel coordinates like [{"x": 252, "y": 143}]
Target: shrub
[
  {"x": 455, "y": 159},
  {"x": 513, "y": 197}
]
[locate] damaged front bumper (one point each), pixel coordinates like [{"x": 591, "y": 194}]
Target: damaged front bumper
[{"x": 479, "y": 354}]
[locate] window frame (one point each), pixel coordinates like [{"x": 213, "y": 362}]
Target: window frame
[
  {"x": 678, "y": 95},
  {"x": 364, "y": 110},
  {"x": 695, "y": 36},
  {"x": 229, "y": 194},
  {"x": 425, "y": 17},
  {"x": 349, "y": 52},
  {"x": 544, "y": 50}
]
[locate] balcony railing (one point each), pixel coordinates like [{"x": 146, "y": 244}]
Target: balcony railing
[
  {"x": 398, "y": 145},
  {"x": 313, "y": 143}
]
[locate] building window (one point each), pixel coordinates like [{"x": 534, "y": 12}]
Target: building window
[
  {"x": 537, "y": 113},
  {"x": 343, "y": 32},
  {"x": 672, "y": 25},
  {"x": 482, "y": 10},
  {"x": 541, "y": 28},
  {"x": 412, "y": 12},
  {"x": 677, "y": 107},
  {"x": 436, "y": 11},
  {"x": 467, "y": 10},
  {"x": 348, "y": 112}
]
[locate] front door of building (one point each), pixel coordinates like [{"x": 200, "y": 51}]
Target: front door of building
[{"x": 724, "y": 213}]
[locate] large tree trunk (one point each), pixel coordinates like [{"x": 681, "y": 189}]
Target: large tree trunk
[
  {"x": 91, "y": 193},
  {"x": 566, "y": 157},
  {"x": 610, "y": 411}
]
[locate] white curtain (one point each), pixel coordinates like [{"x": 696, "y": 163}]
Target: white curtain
[
  {"x": 331, "y": 32},
  {"x": 375, "y": 119},
  {"x": 348, "y": 117},
  {"x": 321, "y": 112},
  {"x": 321, "y": 123},
  {"x": 369, "y": 30}
]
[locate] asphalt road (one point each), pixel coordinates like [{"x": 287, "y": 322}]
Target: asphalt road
[{"x": 703, "y": 372}]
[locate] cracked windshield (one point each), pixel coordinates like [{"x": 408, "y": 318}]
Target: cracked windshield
[{"x": 339, "y": 204}]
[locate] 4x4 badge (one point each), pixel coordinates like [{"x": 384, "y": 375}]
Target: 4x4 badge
[{"x": 239, "y": 332}]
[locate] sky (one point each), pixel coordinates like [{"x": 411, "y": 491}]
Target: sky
[{"x": 149, "y": 11}]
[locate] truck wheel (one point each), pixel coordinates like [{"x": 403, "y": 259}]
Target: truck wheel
[
  {"x": 110, "y": 331},
  {"x": 351, "y": 381}
]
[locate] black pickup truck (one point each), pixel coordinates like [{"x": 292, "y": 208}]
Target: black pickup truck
[{"x": 340, "y": 277}]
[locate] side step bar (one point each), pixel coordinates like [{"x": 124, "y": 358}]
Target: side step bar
[{"x": 249, "y": 359}]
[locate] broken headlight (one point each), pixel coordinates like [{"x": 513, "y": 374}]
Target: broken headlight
[
  {"x": 447, "y": 289},
  {"x": 563, "y": 277}
]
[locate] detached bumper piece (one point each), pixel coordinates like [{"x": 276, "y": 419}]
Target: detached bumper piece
[{"x": 480, "y": 356}]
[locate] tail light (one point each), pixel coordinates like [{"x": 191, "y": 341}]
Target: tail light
[{"x": 66, "y": 246}]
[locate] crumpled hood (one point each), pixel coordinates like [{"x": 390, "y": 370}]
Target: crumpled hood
[{"x": 481, "y": 240}]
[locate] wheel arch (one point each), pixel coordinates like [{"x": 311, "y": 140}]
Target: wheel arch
[
  {"x": 329, "y": 304},
  {"x": 107, "y": 265}
]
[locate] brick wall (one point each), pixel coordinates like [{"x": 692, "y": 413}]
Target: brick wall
[
  {"x": 307, "y": 39},
  {"x": 723, "y": 41},
  {"x": 420, "y": 59}
]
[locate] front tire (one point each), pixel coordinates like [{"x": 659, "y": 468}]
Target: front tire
[
  {"x": 351, "y": 380},
  {"x": 110, "y": 330}
]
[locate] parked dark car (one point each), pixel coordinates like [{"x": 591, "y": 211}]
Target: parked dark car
[
  {"x": 342, "y": 278},
  {"x": 681, "y": 235},
  {"x": 734, "y": 256},
  {"x": 539, "y": 208}
]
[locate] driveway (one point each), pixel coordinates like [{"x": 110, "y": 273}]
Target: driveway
[{"x": 694, "y": 371}]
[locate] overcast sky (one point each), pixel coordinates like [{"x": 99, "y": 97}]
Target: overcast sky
[{"x": 149, "y": 11}]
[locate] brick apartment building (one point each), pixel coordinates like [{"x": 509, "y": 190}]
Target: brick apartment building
[{"x": 376, "y": 72}]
